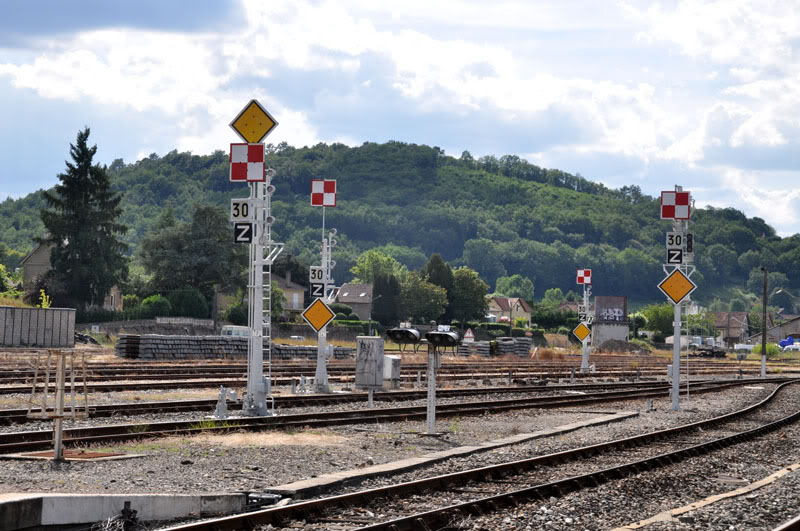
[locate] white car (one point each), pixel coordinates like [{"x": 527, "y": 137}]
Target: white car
[{"x": 792, "y": 348}]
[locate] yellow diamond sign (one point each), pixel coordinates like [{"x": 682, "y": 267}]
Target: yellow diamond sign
[
  {"x": 582, "y": 332},
  {"x": 254, "y": 123},
  {"x": 677, "y": 286},
  {"x": 318, "y": 314}
]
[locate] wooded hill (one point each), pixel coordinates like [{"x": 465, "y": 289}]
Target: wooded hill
[{"x": 499, "y": 216}]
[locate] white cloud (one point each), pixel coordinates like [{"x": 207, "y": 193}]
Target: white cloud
[
  {"x": 733, "y": 88},
  {"x": 776, "y": 205}
]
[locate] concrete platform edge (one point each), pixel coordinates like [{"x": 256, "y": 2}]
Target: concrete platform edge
[{"x": 28, "y": 511}]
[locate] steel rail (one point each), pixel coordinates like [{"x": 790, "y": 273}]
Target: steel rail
[
  {"x": 17, "y": 416},
  {"x": 308, "y": 510},
  {"x": 41, "y": 439},
  {"x": 791, "y": 525}
]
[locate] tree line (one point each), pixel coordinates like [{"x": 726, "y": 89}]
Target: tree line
[{"x": 502, "y": 218}]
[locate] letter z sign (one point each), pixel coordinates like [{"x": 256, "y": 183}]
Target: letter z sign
[
  {"x": 675, "y": 256},
  {"x": 242, "y": 233}
]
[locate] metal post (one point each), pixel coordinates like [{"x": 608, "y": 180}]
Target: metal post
[
  {"x": 585, "y": 343},
  {"x": 321, "y": 375},
  {"x": 254, "y": 402},
  {"x": 431, "y": 410},
  {"x": 676, "y": 359},
  {"x": 764, "y": 328},
  {"x": 58, "y": 425}
]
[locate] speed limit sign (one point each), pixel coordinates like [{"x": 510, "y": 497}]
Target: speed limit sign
[
  {"x": 240, "y": 210},
  {"x": 316, "y": 275}
]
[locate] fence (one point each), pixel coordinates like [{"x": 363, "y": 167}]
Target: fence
[{"x": 37, "y": 327}]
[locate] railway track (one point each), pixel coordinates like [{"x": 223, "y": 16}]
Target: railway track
[
  {"x": 20, "y": 416},
  {"x": 237, "y": 378},
  {"x": 22, "y": 441},
  {"x": 439, "y": 502}
]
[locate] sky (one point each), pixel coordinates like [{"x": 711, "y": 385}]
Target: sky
[{"x": 702, "y": 94}]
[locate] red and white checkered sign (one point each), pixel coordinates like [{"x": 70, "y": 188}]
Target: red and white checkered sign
[
  {"x": 675, "y": 205},
  {"x": 323, "y": 192},
  {"x": 247, "y": 163},
  {"x": 584, "y": 276}
]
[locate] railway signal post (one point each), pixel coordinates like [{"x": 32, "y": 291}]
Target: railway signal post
[
  {"x": 677, "y": 205},
  {"x": 252, "y": 220},
  {"x": 585, "y": 316},
  {"x": 323, "y": 194}
]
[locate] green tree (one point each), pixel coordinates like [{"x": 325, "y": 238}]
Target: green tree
[
  {"x": 156, "y": 306},
  {"x": 198, "y": 254},
  {"x": 737, "y": 305},
  {"x": 420, "y": 300},
  {"x": 775, "y": 279},
  {"x": 553, "y": 298},
  {"x": 438, "y": 272},
  {"x": 703, "y": 324},
  {"x": 469, "y": 295},
  {"x": 188, "y": 303},
  {"x": 484, "y": 256},
  {"x": 82, "y": 224},
  {"x": 372, "y": 263},
  {"x": 385, "y": 296},
  {"x": 659, "y": 318},
  {"x": 515, "y": 286}
]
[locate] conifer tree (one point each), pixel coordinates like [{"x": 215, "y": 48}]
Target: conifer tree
[{"x": 81, "y": 220}]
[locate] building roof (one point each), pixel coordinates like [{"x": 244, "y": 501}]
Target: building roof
[
  {"x": 287, "y": 284},
  {"x": 569, "y": 306},
  {"x": 27, "y": 257},
  {"x": 355, "y": 293},
  {"x": 506, "y": 303},
  {"x": 732, "y": 322}
]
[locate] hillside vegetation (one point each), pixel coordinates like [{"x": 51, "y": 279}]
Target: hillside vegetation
[{"x": 499, "y": 216}]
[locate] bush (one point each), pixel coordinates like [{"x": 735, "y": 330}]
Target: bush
[
  {"x": 237, "y": 314},
  {"x": 563, "y": 330},
  {"x": 339, "y": 308},
  {"x": 155, "y": 306},
  {"x": 537, "y": 332},
  {"x": 130, "y": 302},
  {"x": 343, "y": 317},
  {"x": 188, "y": 303},
  {"x": 518, "y": 332},
  {"x": 772, "y": 349}
]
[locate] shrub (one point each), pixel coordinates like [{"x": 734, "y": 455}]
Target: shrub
[
  {"x": 130, "y": 302},
  {"x": 155, "y": 306},
  {"x": 339, "y": 308},
  {"x": 343, "y": 317},
  {"x": 518, "y": 332},
  {"x": 562, "y": 330},
  {"x": 188, "y": 303},
  {"x": 237, "y": 314},
  {"x": 772, "y": 349}
]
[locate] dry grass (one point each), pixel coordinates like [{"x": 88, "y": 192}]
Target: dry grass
[
  {"x": 17, "y": 303},
  {"x": 548, "y": 354},
  {"x": 557, "y": 340},
  {"x": 242, "y": 439}
]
